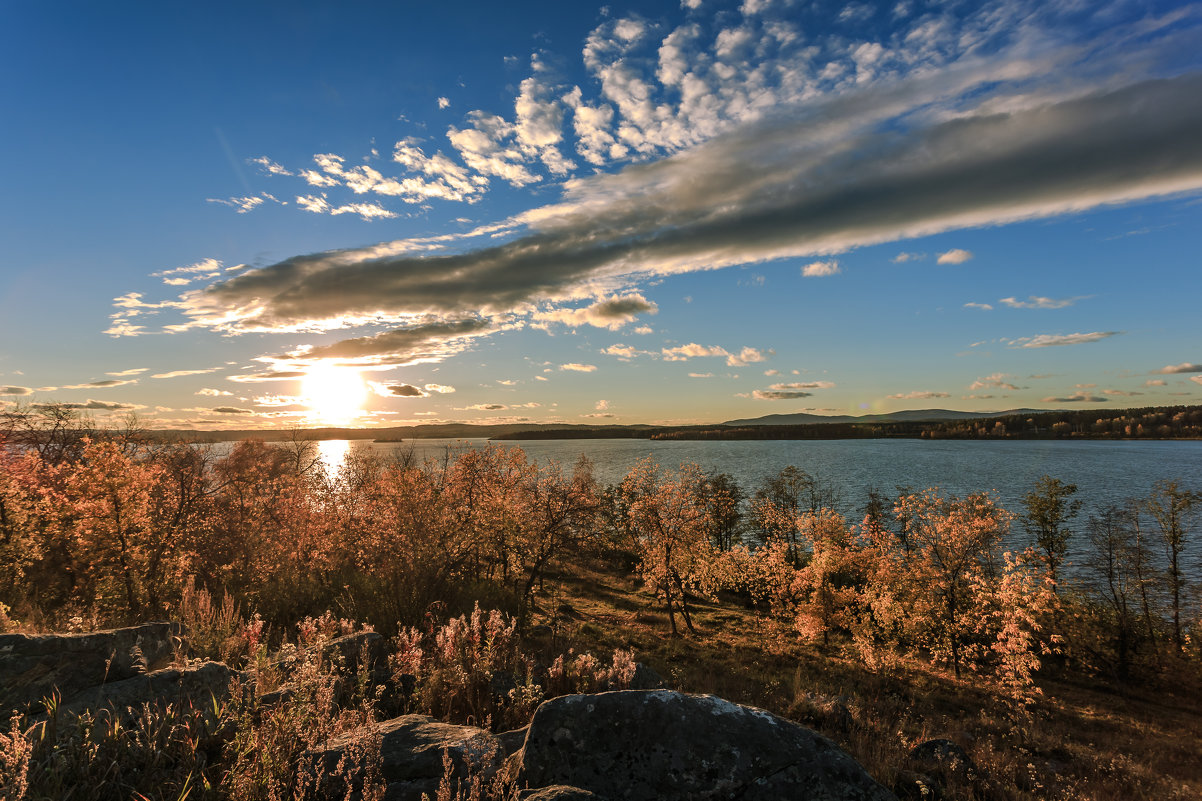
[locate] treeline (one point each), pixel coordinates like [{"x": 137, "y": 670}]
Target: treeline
[{"x": 108, "y": 527}]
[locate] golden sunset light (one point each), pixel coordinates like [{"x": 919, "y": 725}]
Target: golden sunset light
[{"x": 334, "y": 394}]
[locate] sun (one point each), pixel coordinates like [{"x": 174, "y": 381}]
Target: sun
[{"x": 333, "y": 393}]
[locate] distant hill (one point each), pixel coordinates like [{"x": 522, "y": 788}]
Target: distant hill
[{"x": 908, "y": 416}]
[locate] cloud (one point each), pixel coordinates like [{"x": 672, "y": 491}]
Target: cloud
[
  {"x": 692, "y": 350},
  {"x": 320, "y": 205},
  {"x": 181, "y": 373},
  {"x": 1184, "y": 367},
  {"x": 611, "y": 313},
  {"x": 746, "y": 356},
  {"x": 804, "y": 385},
  {"x": 997, "y": 381},
  {"x": 105, "y": 384},
  {"x": 268, "y": 166},
  {"x": 918, "y": 395},
  {"x": 601, "y": 405},
  {"x": 245, "y": 204},
  {"x": 576, "y": 367},
  {"x": 1155, "y": 382},
  {"x": 270, "y": 375},
  {"x": 127, "y": 373},
  {"x": 230, "y": 410},
  {"x": 1036, "y": 302},
  {"x": 1197, "y": 379},
  {"x": 602, "y": 415},
  {"x": 1080, "y": 396},
  {"x": 1120, "y": 393},
  {"x": 427, "y": 342},
  {"x": 441, "y": 389},
  {"x": 444, "y": 103},
  {"x": 15, "y": 391},
  {"x": 820, "y": 268},
  {"x": 902, "y": 258},
  {"x": 484, "y": 407},
  {"x": 1054, "y": 340},
  {"x": 701, "y": 375},
  {"x": 982, "y": 306},
  {"x": 856, "y": 169},
  {"x": 213, "y": 393},
  {"x": 779, "y": 394},
  {"x": 954, "y": 256},
  {"x": 404, "y": 391},
  {"x": 95, "y": 405}
]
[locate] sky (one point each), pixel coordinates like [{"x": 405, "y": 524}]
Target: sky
[{"x": 282, "y": 214}]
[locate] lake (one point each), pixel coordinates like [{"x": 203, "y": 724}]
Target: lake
[{"x": 1105, "y": 471}]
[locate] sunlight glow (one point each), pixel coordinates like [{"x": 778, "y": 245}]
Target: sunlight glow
[{"x": 334, "y": 394}]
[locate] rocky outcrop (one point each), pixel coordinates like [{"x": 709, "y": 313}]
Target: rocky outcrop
[
  {"x": 659, "y": 746},
  {"x": 411, "y": 756},
  {"x": 196, "y": 684},
  {"x": 33, "y": 667}
]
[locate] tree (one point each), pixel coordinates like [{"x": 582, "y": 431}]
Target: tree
[
  {"x": 1172, "y": 508},
  {"x": 672, "y": 523},
  {"x": 724, "y": 500},
  {"x": 954, "y": 543},
  {"x": 1112, "y": 564},
  {"x": 1048, "y": 512}
]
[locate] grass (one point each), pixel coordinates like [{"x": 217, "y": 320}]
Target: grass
[{"x": 1081, "y": 739}]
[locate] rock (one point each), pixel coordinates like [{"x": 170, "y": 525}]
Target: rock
[
  {"x": 911, "y": 786},
  {"x": 947, "y": 764},
  {"x": 646, "y": 679},
  {"x": 512, "y": 741},
  {"x": 660, "y": 745},
  {"x": 353, "y": 650},
  {"x": 199, "y": 685},
  {"x": 33, "y": 667},
  {"x": 411, "y": 749},
  {"x": 558, "y": 792}
]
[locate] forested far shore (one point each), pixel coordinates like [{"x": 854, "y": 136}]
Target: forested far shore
[{"x": 1155, "y": 422}]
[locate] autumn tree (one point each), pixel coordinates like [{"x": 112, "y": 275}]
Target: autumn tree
[
  {"x": 954, "y": 543},
  {"x": 723, "y": 498},
  {"x": 672, "y": 523}
]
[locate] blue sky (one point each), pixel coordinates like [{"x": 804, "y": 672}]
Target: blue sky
[{"x": 632, "y": 213}]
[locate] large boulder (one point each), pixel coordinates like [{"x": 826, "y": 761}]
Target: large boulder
[
  {"x": 661, "y": 745},
  {"x": 33, "y": 667},
  {"x": 411, "y": 756},
  {"x": 198, "y": 685}
]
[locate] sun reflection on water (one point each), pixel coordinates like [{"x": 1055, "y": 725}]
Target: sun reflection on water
[{"x": 333, "y": 454}]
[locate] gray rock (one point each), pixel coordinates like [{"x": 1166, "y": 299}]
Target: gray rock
[
  {"x": 946, "y": 762},
  {"x": 33, "y": 667},
  {"x": 660, "y": 746},
  {"x": 512, "y": 741},
  {"x": 559, "y": 792},
  {"x": 411, "y": 751},
  {"x": 646, "y": 679},
  {"x": 199, "y": 685}
]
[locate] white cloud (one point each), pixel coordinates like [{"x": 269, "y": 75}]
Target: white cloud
[
  {"x": 692, "y": 350},
  {"x": 612, "y": 313},
  {"x": 1053, "y": 340},
  {"x": 780, "y": 394},
  {"x": 804, "y": 385},
  {"x": 746, "y": 356},
  {"x": 954, "y": 256},
  {"x": 1156, "y": 382},
  {"x": 1036, "y": 302},
  {"x": 1080, "y": 396},
  {"x": 179, "y": 373},
  {"x": 268, "y": 166},
  {"x": 918, "y": 395},
  {"x": 1184, "y": 367},
  {"x": 444, "y": 102},
  {"x": 213, "y": 393},
  {"x": 127, "y": 373},
  {"x": 701, "y": 375},
  {"x": 820, "y": 268},
  {"x": 601, "y": 405},
  {"x": 902, "y": 258},
  {"x": 576, "y": 367},
  {"x": 442, "y": 389},
  {"x": 996, "y": 381},
  {"x": 982, "y": 306}
]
